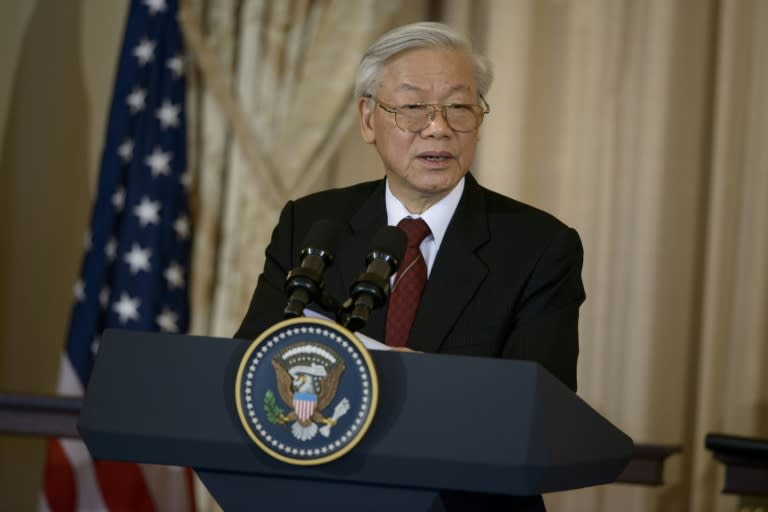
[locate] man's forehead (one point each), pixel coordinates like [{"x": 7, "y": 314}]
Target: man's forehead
[{"x": 410, "y": 87}]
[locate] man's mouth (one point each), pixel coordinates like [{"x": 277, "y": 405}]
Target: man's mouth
[{"x": 440, "y": 156}]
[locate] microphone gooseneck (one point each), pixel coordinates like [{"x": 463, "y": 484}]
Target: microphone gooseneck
[
  {"x": 304, "y": 283},
  {"x": 371, "y": 288}
]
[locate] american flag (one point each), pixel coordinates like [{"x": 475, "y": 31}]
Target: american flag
[{"x": 135, "y": 270}]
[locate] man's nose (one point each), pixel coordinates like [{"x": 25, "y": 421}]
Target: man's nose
[{"x": 438, "y": 126}]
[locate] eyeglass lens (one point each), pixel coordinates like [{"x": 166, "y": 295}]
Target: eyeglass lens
[{"x": 461, "y": 118}]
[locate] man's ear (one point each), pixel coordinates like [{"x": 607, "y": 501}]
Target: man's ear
[{"x": 365, "y": 108}]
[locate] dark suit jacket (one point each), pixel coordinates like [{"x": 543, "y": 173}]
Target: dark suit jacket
[{"x": 506, "y": 282}]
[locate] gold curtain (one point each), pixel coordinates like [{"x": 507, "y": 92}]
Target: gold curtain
[
  {"x": 274, "y": 104},
  {"x": 643, "y": 125},
  {"x": 732, "y": 375}
]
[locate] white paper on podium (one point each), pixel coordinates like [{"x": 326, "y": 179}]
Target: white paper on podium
[{"x": 370, "y": 343}]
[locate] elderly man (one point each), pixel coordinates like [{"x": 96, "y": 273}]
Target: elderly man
[{"x": 487, "y": 275}]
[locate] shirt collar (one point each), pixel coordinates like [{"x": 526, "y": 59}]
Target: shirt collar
[{"x": 437, "y": 216}]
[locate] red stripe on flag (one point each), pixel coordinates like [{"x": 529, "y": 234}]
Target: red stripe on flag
[
  {"x": 123, "y": 487},
  {"x": 190, "y": 489},
  {"x": 59, "y": 482}
]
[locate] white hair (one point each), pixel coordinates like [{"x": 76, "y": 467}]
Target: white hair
[{"x": 417, "y": 36}]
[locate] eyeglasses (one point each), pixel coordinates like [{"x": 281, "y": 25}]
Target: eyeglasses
[{"x": 415, "y": 117}]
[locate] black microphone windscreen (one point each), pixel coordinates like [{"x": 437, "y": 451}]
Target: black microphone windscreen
[
  {"x": 326, "y": 235},
  {"x": 391, "y": 240}
]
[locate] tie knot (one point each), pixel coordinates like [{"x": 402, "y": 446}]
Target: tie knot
[{"x": 415, "y": 229}]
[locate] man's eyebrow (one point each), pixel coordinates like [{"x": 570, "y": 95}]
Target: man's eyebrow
[
  {"x": 408, "y": 87},
  {"x": 458, "y": 88}
]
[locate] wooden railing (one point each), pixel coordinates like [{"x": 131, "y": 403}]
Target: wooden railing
[
  {"x": 745, "y": 460},
  {"x": 38, "y": 415},
  {"x": 647, "y": 464}
]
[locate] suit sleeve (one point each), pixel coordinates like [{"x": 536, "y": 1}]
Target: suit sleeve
[
  {"x": 269, "y": 298},
  {"x": 546, "y": 324}
]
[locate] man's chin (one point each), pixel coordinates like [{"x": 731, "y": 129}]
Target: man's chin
[
  {"x": 433, "y": 190},
  {"x": 438, "y": 181}
]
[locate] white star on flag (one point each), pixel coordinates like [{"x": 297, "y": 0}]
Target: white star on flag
[
  {"x": 118, "y": 199},
  {"x": 159, "y": 161},
  {"x": 125, "y": 150},
  {"x": 155, "y": 6},
  {"x": 95, "y": 344},
  {"x": 168, "y": 114},
  {"x": 127, "y": 308},
  {"x": 144, "y": 51},
  {"x": 174, "y": 274},
  {"x": 138, "y": 259},
  {"x": 79, "y": 290},
  {"x": 147, "y": 211},
  {"x": 181, "y": 226},
  {"x": 176, "y": 65},
  {"x": 104, "y": 297},
  {"x": 87, "y": 241},
  {"x": 167, "y": 321},
  {"x": 136, "y": 100},
  {"x": 111, "y": 249}
]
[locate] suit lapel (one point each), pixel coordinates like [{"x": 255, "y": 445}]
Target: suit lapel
[
  {"x": 456, "y": 274},
  {"x": 364, "y": 224}
]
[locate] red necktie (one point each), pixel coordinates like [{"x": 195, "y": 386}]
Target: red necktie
[{"x": 408, "y": 286}]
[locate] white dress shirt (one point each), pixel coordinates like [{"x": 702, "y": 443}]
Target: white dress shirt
[{"x": 437, "y": 217}]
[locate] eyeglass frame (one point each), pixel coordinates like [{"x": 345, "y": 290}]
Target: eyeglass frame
[{"x": 435, "y": 107}]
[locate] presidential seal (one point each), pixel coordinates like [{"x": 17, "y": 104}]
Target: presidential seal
[{"x": 306, "y": 391}]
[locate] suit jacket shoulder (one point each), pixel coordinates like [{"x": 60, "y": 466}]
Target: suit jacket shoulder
[
  {"x": 339, "y": 204},
  {"x": 360, "y": 207}
]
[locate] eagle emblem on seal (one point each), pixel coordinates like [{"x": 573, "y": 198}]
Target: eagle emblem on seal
[{"x": 307, "y": 376}]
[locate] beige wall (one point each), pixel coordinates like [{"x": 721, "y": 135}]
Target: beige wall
[{"x": 57, "y": 60}]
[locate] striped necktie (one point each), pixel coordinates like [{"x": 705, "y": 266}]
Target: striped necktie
[{"x": 408, "y": 286}]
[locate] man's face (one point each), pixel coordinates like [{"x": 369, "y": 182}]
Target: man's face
[{"x": 422, "y": 167}]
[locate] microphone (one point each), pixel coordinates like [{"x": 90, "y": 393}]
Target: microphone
[
  {"x": 371, "y": 288},
  {"x": 305, "y": 282}
]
